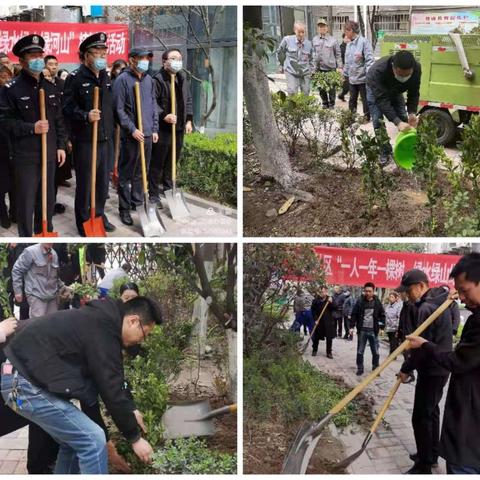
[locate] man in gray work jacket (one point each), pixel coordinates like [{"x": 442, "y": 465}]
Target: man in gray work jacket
[
  {"x": 327, "y": 57},
  {"x": 37, "y": 270},
  {"x": 295, "y": 55},
  {"x": 130, "y": 189},
  {"x": 358, "y": 59}
]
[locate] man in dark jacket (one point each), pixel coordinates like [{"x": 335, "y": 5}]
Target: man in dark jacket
[
  {"x": 337, "y": 314},
  {"x": 431, "y": 377},
  {"x": 78, "y": 354},
  {"x": 130, "y": 188},
  {"x": 387, "y": 80},
  {"x": 461, "y": 419},
  {"x": 78, "y": 110},
  {"x": 347, "y": 314},
  {"x": 161, "y": 164},
  {"x": 325, "y": 326},
  {"x": 368, "y": 316}
]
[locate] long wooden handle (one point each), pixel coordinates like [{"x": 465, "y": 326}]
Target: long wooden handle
[
  {"x": 174, "y": 132},
  {"x": 43, "y": 116},
  {"x": 138, "y": 102},
  {"x": 96, "y": 96},
  {"x": 386, "y": 405},
  {"x": 402, "y": 347}
]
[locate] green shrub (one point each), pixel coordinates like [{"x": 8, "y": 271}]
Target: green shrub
[
  {"x": 192, "y": 456},
  {"x": 209, "y": 166},
  {"x": 327, "y": 80}
]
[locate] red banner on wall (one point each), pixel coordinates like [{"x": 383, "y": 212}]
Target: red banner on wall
[
  {"x": 63, "y": 39},
  {"x": 354, "y": 266}
]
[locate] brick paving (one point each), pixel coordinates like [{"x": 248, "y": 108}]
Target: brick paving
[
  {"x": 13, "y": 452},
  {"x": 388, "y": 450}
]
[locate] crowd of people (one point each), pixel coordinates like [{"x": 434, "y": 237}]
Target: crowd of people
[
  {"x": 70, "y": 115},
  {"x": 429, "y": 361},
  {"x": 59, "y": 351},
  {"x": 381, "y": 83}
]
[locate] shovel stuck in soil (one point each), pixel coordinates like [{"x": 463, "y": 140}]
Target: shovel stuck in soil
[
  {"x": 301, "y": 450},
  {"x": 192, "y": 419}
]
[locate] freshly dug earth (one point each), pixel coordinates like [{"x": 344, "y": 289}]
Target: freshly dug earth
[{"x": 338, "y": 208}]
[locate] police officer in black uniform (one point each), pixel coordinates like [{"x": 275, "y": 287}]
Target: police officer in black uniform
[
  {"x": 20, "y": 117},
  {"x": 78, "y": 110}
]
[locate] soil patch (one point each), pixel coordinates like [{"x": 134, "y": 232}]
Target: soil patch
[{"x": 339, "y": 204}]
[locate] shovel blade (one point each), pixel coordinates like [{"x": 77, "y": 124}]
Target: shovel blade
[
  {"x": 94, "y": 227},
  {"x": 301, "y": 450},
  {"x": 177, "y": 204},
  {"x": 151, "y": 224},
  {"x": 349, "y": 460},
  {"x": 182, "y": 420}
]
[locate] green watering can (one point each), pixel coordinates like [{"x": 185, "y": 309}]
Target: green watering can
[{"x": 404, "y": 149}]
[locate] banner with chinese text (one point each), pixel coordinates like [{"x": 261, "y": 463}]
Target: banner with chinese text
[
  {"x": 63, "y": 39},
  {"x": 444, "y": 21},
  {"x": 354, "y": 266}
]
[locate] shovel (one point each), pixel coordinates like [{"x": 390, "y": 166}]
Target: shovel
[
  {"x": 175, "y": 199},
  {"x": 43, "y": 116},
  {"x": 151, "y": 223},
  {"x": 94, "y": 227},
  {"x": 192, "y": 419},
  {"x": 301, "y": 450},
  {"x": 345, "y": 463},
  {"x": 317, "y": 323}
]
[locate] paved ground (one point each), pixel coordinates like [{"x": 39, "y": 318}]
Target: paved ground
[
  {"x": 13, "y": 452},
  {"x": 208, "y": 220},
  {"x": 280, "y": 84},
  {"x": 388, "y": 450}
]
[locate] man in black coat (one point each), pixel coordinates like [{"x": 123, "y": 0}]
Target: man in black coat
[
  {"x": 387, "y": 80},
  {"x": 161, "y": 165},
  {"x": 325, "y": 326},
  {"x": 368, "y": 316},
  {"x": 461, "y": 418},
  {"x": 20, "y": 117},
  {"x": 431, "y": 377},
  {"x": 78, "y": 354}
]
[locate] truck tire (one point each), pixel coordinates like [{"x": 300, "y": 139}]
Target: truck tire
[{"x": 447, "y": 128}]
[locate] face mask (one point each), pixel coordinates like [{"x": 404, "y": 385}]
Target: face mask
[
  {"x": 402, "y": 79},
  {"x": 36, "y": 65},
  {"x": 176, "y": 65},
  {"x": 142, "y": 66},
  {"x": 100, "y": 64}
]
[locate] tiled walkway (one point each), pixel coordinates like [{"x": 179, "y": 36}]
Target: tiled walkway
[{"x": 13, "y": 452}]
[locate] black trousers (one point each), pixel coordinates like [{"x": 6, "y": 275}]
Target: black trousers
[
  {"x": 393, "y": 341},
  {"x": 355, "y": 90},
  {"x": 345, "y": 87},
  {"x": 130, "y": 187},
  {"x": 339, "y": 322},
  {"x": 426, "y": 416},
  {"x": 316, "y": 340},
  {"x": 83, "y": 158},
  {"x": 346, "y": 325},
  {"x": 160, "y": 171},
  {"x": 28, "y": 186}
]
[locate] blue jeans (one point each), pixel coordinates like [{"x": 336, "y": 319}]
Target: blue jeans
[
  {"x": 372, "y": 339},
  {"x": 82, "y": 442},
  {"x": 398, "y": 104},
  {"x": 305, "y": 319},
  {"x": 462, "y": 470}
]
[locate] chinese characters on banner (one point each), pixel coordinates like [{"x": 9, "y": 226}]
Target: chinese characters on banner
[
  {"x": 354, "y": 266},
  {"x": 443, "y": 22},
  {"x": 63, "y": 39}
]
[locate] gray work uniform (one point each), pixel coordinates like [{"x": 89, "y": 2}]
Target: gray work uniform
[
  {"x": 38, "y": 271},
  {"x": 296, "y": 58},
  {"x": 358, "y": 59},
  {"x": 327, "y": 54}
]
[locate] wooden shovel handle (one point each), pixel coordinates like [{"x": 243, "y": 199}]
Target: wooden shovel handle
[
  {"x": 96, "y": 97},
  {"x": 401, "y": 348},
  {"x": 386, "y": 405},
  {"x": 141, "y": 145},
  {"x": 174, "y": 131},
  {"x": 43, "y": 116}
]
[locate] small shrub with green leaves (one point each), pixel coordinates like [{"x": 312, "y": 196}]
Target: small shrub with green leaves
[
  {"x": 292, "y": 113},
  {"x": 376, "y": 183},
  {"x": 321, "y": 132},
  {"x": 327, "y": 80},
  {"x": 192, "y": 456},
  {"x": 209, "y": 166},
  {"x": 349, "y": 123}
]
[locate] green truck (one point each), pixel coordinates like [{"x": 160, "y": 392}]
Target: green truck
[{"x": 450, "y": 86}]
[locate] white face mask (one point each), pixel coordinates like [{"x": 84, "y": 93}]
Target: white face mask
[
  {"x": 402, "y": 79},
  {"x": 176, "y": 65}
]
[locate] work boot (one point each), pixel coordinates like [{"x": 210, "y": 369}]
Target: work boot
[{"x": 126, "y": 218}]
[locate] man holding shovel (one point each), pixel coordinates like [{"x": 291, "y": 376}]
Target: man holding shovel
[
  {"x": 325, "y": 325},
  {"x": 160, "y": 166},
  {"x": 130, "y": 189},
  {"x": 20, "y": 116},
  {"x": 79, "y": 110},
  {"x": 431, "y": 376},
  {"x": 461, "y": 419}
]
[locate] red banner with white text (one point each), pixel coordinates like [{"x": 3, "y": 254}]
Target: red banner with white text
[
  {"x": 63, "y": 39},
  {"x": 355, "y": 266}
]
